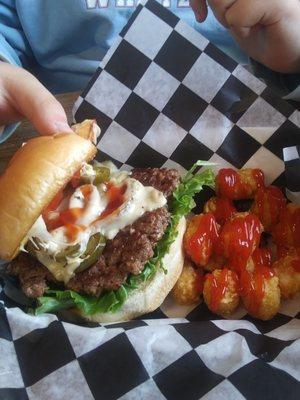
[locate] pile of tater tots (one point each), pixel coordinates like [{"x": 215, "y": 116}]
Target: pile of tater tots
[{"x": 235, "y": 257}]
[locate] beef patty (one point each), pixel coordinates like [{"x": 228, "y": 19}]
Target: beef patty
[
  {"x": 126, "y": 254},
  {"x": 163, "y": 179}
]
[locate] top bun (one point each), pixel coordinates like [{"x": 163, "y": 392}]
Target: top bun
[{"x": 35, "y": 174}]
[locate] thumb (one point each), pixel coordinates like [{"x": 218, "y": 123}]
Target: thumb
[
  {"x": 200, "y": 9},
  {"x": 34, "y": 102}
]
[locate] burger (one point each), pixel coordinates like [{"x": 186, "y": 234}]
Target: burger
[{"x": 86, "y": 236}]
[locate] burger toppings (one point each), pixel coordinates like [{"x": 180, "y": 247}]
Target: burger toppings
[
  {"x": 76, "y": 215},
  {"x": 105, "y": 235},
  {"x": 126, "y": 253}
]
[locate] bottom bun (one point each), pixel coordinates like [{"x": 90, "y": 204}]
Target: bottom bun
[{"x": 150, "y": 295}]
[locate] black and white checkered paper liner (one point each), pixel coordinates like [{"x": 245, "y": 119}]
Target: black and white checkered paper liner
[{"x": 165, "y": 96}]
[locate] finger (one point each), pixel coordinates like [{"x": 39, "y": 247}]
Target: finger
[
  {"x": 219, "y": 8},
  {"x": 8, "y": 114},
  {"x": 200, "y": 9},
  {"x": 241, "y": 32},
  {"x": 248, "y": 13},
  {"x": 33, "y": 101},
  {"x": 48, "y": 116}
]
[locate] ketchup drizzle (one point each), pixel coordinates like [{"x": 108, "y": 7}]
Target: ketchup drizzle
[
  {"x": 268, "y": 205},
  {"x": 238, "y": 239},
  {"x": 231, "y": 186},
  {"x": 218, "y": 285},
  {"x": 287, "y": 231},
  {"x": 201, "y": 242},
  {"x": 224, "y": 210},
  {"x": 252, "y": 286},
  {"x": 262, "y": 257}
]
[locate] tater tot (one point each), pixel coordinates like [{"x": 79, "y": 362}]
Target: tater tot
[
  {"x": 220, "y": 291},
  {"x": 287, "y": 232},
  {"x": 287, "y": 268},
  {"x": 237, "y": 185},
  {"x": 222, "y": 209},
  {"x": 238, "y": 239},
  {"x": 189, "y": 287},
  {"x": 260, "y": 293},
  {"x": 284, "y": 251},
  {"x": 215, "y": 262},
  {"x": 260, "y": 257},
  {"x": 268, "y": 205},
  {"x": 200, "y": 237}
]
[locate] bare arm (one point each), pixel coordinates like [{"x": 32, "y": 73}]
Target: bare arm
[{"x": 268, "y": 30}]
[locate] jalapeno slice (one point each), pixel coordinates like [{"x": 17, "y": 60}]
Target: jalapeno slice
[
  {"x": 93, "y": 251},
  {"x": 71, "y": 251},
  {"x": 102, "y": 174},
  {"x": 91, "y": 255}
]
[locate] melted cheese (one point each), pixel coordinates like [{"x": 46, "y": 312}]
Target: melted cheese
[
  {"x": 87, "y": 171},
  {"x": 94, "y": 207},
  {"x": 138, "y": 199},
  {"x": 61, "y": 271}
]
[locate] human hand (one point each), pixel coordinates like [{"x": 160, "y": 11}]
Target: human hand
[
  {"x": 268, "y": 30},
  {"x": 23, "y": 96}
]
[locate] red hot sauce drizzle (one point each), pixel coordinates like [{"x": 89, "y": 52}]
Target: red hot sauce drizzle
[
  {"x": 69, "y": 217},
  {"x": 51, "y": 223},
  {"x": 52, "y": 206},
  {"x": 75, "y": 181},
  {"x": 116, "y": 198}
]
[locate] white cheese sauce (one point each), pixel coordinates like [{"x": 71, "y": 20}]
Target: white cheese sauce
[{"x": 138, "y": 199}]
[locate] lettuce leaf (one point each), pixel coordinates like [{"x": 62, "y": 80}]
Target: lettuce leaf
[{"x": 182, "y": 204}]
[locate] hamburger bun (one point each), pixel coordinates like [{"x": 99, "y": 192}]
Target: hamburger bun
[
  {"x": 150, "y": 295},
  {"x": 35, "y": 174},
  {"x": 87, "y": 129}
]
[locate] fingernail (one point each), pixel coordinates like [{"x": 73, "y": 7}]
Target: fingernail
[
  {"x": 201, "y": 17},
  {"x": 62, "y": 127}
]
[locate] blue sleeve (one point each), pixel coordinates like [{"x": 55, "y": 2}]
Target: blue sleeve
[{"x": 14, "y": 47}]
